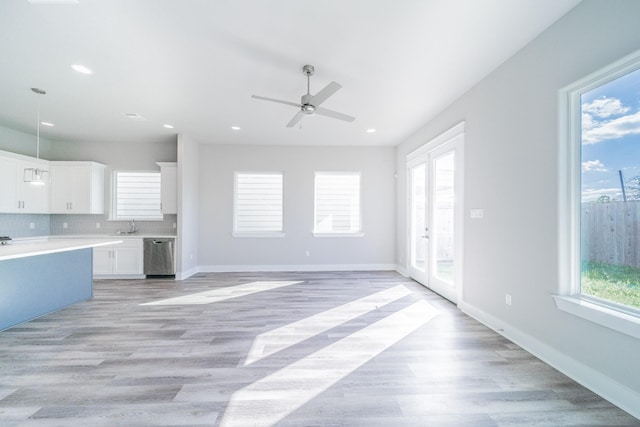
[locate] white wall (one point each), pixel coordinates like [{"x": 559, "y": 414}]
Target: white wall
[
  {"x": 219, "y": 250},
  {"x": 188, "y": 206},
  {"x": 511, "y": 156},
  {"x": 138, "y": 156}
]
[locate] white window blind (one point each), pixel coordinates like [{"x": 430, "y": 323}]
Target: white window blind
[
  {"x": 258, "y": 203},
  {"x": 337, "y": 202},
  {"x": 137, "y": 195}
]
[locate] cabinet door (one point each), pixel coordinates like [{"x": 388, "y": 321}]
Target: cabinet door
[
  {"x": 81, "y": 197},
  {"x": 8, "y": 188},
  {"x": 61, "y": 189},
  {"x": 34, "y": 197},
  {"x": 128, "y": 260},
  {"x": 102, "y": 261},
  {"x": 169, "y": 189}
]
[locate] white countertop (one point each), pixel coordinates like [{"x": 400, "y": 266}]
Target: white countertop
[{"x": 42, "y": 246}]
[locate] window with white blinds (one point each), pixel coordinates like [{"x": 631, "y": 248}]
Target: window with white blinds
[
  {"x": 337, "y": 203},
  {"x": 136, "y": 196},
  {"x": 258, "y": 203}
]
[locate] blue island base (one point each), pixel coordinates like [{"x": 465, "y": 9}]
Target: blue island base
[{"x": 34, "y": 286}]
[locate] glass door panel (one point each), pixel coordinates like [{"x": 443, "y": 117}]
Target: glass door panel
[
  {"x": 443, "y": 217},
  {"x": 418, "y": 256}
]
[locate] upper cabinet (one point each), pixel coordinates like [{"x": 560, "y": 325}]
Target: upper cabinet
[
  {"x": 18, "y": 195},
  {"x": 169, "y": 187},
  {"x": 77, "y": 188}
]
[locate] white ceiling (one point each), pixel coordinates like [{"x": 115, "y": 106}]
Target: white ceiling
[{"x": 196, "y": 63}]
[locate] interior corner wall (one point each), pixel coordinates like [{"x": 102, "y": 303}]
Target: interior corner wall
[
  {"x": 511, "y": 171},
  {"x": 188, "y": 206},
  {"x": 23, "y": 143},
  {"x": 298, "y": 249}
]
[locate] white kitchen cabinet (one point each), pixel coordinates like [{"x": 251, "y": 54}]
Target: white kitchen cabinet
[
  {"x": 77, "y": 188},
  {"x": 34, "y": 197},
  {"x": 18, "y": 196},
  {"x": 169, "y": 187},
  {"x": 9, "y": 187},
  {"x": 123, "y": 259}
]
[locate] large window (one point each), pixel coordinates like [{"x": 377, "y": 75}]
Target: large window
[
  {"x": 258, "y": 204},
  {"x": 136, "y": 195},
  {"x": 337, "y": 203},
  {"x": 600, "y": 197},
  {"x": 610, "y": 193}
]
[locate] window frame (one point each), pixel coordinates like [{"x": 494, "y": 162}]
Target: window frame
[
  {"x": 569, "y": 297},
  {"x": 318, "y": 233},
  {"x": 266, "y": 233},
  {"x": 114, "y": 197}
]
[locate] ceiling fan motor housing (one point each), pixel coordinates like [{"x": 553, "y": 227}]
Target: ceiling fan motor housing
[
  {"x": 308, "y": 70},
  {"x": 307, "y": 107}
]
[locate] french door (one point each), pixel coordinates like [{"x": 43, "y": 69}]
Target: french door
[{"x": 435, "y": 215}]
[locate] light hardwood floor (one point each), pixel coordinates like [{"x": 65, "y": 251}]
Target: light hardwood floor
[{"x": 286, "y": 349}]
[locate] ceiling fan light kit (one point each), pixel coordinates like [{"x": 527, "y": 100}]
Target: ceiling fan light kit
[{"x": 309, "y": 104}]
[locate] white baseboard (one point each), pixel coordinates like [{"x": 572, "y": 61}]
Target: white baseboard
[
  {"x": 118, "y": 276},
  {"x": 302, "y": 267},
  {"x": 616, "y": 393},
  {"x": 182, "y": 275},
  {"x": 401, "y": 269}
]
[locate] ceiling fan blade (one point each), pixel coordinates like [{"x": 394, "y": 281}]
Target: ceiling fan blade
[
  {"x": 299, "y": 115},
  {"x": 325, "y": 93},
  {"x": 334, "y": 114},
  {"x": 294, "y": 104}
]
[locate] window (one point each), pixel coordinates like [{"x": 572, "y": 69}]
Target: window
[
  {"x": 337, "y": 203},
  {"x": 136, "y": 195},
  {"x": 258, "y": 204},
  {"x": 601, "y": 249}
]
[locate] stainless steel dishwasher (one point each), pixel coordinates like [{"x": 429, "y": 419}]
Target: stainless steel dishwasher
[{"x": 159, "y": 257}]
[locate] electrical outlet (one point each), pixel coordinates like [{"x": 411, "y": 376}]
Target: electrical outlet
[
  {"x": 32, "y": 225},
  {"x": 174, "y": 225},
  {"x": 65, "y": 225},
  {"x": 98, "y": 225},
  {"x": 308, "y": 253},
  {"x": 507, "y": 299}
]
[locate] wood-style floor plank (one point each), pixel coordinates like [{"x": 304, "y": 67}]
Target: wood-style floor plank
[{"x": 330, "y": 349}]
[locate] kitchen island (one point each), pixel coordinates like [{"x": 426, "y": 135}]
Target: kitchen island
[{"x": 38, "y": 276}]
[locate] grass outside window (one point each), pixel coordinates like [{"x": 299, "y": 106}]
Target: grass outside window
[{"x": 616, "y": 283}]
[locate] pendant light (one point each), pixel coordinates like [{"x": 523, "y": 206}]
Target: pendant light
[{"x": 36, "y": 175}]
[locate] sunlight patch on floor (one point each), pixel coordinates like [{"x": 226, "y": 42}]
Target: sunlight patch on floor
[
  {"x": 269, "y": 400},
  {"x": 222, "y": 294},
  {"x": 286, "y": 336}
]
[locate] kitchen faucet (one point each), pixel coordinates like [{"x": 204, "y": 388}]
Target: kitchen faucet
[{"x": 133, "y": 228}]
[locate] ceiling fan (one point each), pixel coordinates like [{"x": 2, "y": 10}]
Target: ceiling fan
[{"x": 310, "y": 104}]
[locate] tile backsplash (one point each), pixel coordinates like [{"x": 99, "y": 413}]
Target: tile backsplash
[
  {"x": 99, "y": 224},
  {"x": 26, "y": 225}
]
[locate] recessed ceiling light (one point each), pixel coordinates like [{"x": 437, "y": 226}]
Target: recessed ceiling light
[
  {"x": 168, "y": 126},
  {"x": 133, "y": 116},
  {"x": 47, "y": 124},
  {"x": 235, "y": 127},
  {"x": 372, "y": 130},
  {"x": 82, "y": 69}
]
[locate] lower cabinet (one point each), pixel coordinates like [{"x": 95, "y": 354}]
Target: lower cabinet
[{"x": 123, "y": 259}]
